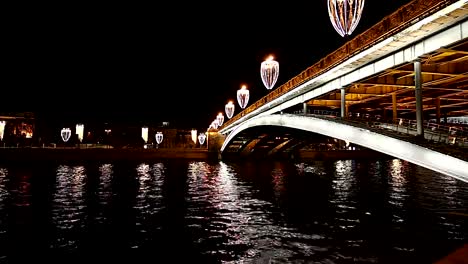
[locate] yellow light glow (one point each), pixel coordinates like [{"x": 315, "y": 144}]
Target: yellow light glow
[
  {"x": 2, "y": 129},
  {"x": 80, "y": 131},
  {"x": 144, "y": 134},
  {"x": 194, "y": 135}
]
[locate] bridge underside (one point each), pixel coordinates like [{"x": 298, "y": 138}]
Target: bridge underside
[
  {"x": 274, "y": 141},
  {"x": 391, "y": 93}
]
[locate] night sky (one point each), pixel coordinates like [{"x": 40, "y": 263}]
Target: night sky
[{"x": 177, "y": 62}]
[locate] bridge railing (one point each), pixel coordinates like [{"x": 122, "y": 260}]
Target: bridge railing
[{"x": 455, "y": 134}]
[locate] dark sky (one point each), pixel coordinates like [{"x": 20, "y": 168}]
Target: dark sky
[{"x": 177, "y": 62}]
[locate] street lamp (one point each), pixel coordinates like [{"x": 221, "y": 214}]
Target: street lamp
[
  {"x": 229, "y": 109},
  {"x": 66, "y": 134},
  {"x": 269, "y": 71},
  {"x": 80, "y": 131},
  {"x": 201, "y": 138},
  {"x": 220, "y": 118},
  {"x": 144, "y": 134},
  {"x": 159, "y": 137},
  {"x": 243, "y": 96},
  {"x": 2, "y": 129},
  {"x": 214, "y": 124},
  {"x": 345, "y": 15},
  {"x": 194, "y": 135}
]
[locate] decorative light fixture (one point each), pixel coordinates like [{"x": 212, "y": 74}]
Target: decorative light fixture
[
  {"x": 220, "y": 118},
  {"x": 214, "y": 124},
  {"x": 66, "y": 134},
  {"x": 79, "y": 131},
  {"x": 159, "y": 137},
  {"x": 345, "y": 15},
  {"x": 201, "y": 138},
  {"x": 144, "y": 134},
  {"x": 269, "y": 71},
  {"x": 229, "y": 109},
  {"x": 194, "y": 135},
  {"x": 243, "y": 96},
  {"x": 2, "y": 129}
]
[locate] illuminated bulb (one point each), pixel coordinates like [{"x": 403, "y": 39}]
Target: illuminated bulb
[
  {"x": 220, "y": 118},
  {"x": 159, "y": 137},
  {"x": 194, "y": 135},
  {"x": 66, "y": 134},
  {"x": 201, "y": 138},
  {"x": 144, "y": 134},
  {"x": 345, "y": 15},
  {"x": 214, "y": 124},
  {"x": 79, "y": 131},
  {"x": 229, "y": 109},
  {"x": 269, "y": 71},
  {"x": 243, "y": 96},
  {"x": 2, "y": 129}
]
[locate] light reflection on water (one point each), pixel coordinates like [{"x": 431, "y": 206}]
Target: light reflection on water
[
  {"x": 69, "y": 205},
  {"x": 385, "y": 211}
]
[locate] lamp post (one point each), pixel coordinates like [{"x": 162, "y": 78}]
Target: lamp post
[
  {"x": 159, "y": 137},
  {"x": 65, "y": 133},
  {"x": 214, "y": 124},
  {"x": 79, "y": 130},
  {"x": 144, "y": 134},
  {"x": 201, "y": 138},
  {"x": 243, "y": 96},
  {"x": 2, "y": 129},
  {"x": 220, "y": 119},
  {"x": 345, "y": 15},
  {"x": 229, "y": 109},
  {"x": 269, "y": 71},
  {"x": 194, "y": 135}
]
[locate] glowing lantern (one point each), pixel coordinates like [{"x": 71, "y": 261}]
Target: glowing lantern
[
  {"x": 220, "y": 118},
  {"x": 229, "y": 109},
  {"x": 345, "y": 15},
  {"x": 243, "y": 96},
  {"x": 144, "y": 134},
  {"x": 194, "y": 136},
  {"x": 159, "y": 137},
  {"x": 2, "y": 129},
  {"x": 269, "y": 71},
  {"x": 80, "y": 131},
  {"x": 201, "y": 138},
  {"x": 214, "y": 124},
  {"x": 66, "y": 134}
]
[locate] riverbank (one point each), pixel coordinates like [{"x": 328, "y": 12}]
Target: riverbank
[
  {"x": 47, "y": 154},
  {"x": 110, "y": 154}
]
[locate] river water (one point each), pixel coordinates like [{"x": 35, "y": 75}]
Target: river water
[{"x": 189, "y": 211}]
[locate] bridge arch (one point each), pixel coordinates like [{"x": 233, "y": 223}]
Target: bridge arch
[{"x": 413, "y": 153}]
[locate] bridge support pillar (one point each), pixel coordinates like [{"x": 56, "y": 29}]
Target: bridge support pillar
[
  {"x": 215, "y": 141},
  {"x": 437, "y": 103},
  {"x": 418, "y": 96},
  {"x": 394, "y": 108},
  {"x": 343, "y": 103},
  {"x": 304, "y": 108}
]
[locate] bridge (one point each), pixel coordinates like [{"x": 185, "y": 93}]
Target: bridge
[{"x": 399, "y": 88}]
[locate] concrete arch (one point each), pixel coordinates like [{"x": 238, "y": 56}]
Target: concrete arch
[{"x": 421, "y": 156}]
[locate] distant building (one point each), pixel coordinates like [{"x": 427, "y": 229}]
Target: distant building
[{"x": 17, "y": 128}]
